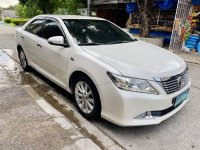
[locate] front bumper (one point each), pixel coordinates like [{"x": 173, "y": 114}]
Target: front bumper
[{"x": 123, "y": 107}]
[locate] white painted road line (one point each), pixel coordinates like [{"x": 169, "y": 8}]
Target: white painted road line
[
  {"x": 76, "y": 136},
  {"x": 82, "y": 144},
  {"x": 63, "y": 123},
  {"x": 48, "y": 108},
  {"x": 58, "y": 117},
  {"x": 87, "y": 144},
  {"x": 71, "y": 147}
]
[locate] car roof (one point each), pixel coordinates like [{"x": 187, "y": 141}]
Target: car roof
[{"x": 72, "y": 17}]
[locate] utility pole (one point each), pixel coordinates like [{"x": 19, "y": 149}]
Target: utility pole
[{"x": 88, "y": 7}]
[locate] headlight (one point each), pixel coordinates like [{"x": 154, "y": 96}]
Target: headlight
[{"x": 132, "y": 84}]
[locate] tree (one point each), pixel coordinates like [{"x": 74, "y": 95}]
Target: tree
[
  {"x": 23, "y": 1},
  {"x": 27, "y": 10},
  {"x": 30, "y": 8},
  {"x": 48, "y": 6},
  {"x": 19, "y": 10},
  {"x": 145, "y": 7},
  {"x": 70, "y": 6},
  {"x": 1, "y": 9}
]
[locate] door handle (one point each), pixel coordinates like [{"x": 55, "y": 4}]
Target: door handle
[
  {"x": 22, "y": 36},
  {"x": 39, "y": 45}
]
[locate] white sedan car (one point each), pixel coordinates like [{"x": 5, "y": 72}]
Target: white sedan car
[{"x": 110, "y": 74}]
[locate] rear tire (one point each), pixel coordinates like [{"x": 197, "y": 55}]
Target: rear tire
[
  {"x": 86, "y": 97},
  {"x": 23, "y": 60}
]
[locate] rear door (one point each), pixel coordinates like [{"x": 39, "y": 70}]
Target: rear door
[{"x": 30, "y": 38}]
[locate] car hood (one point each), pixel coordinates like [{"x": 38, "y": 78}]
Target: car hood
[{"x": 138, "y": 59}]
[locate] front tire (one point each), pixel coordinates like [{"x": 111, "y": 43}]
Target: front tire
[
  {"x": 23, "y": 60},
  {"x": 86, "y": 97}
]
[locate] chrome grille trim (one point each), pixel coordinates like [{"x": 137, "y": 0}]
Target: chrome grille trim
[{"x": 174, "y": 83}]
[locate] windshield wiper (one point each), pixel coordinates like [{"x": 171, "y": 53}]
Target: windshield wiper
[
  {"x": 82, "y": 44},
  {"x": 116, "y": 42}
]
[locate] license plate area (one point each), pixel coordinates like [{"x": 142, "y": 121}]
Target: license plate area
[{"x": 180, "y": 98}]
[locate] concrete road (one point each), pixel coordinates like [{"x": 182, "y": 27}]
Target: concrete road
[
  {"x": 180, "y": 132},
  {"x": 7, "y": 37}
]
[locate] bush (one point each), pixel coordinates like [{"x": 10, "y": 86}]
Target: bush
[
  {"x": 7, "y": 20},
  {"x": 19, "y": 21}
]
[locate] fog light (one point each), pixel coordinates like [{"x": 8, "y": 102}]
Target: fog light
[
  {"x": 145, "y": 115},
  {"x": 148, "y": 115}
]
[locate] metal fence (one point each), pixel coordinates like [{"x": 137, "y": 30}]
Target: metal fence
[{"x": 182, "y": 13}]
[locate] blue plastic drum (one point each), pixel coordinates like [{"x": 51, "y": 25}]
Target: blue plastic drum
[{"x": 198, "y": 47}]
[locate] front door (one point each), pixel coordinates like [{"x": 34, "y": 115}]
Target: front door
[{"x": 53, "y": 58}]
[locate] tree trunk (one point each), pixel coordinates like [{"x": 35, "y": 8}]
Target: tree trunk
[
  {"x": 145, "y": 9},
  {"x": 45, "y": 11},
  {"x": 145, "y": 24}
]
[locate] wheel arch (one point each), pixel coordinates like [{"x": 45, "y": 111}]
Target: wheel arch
[
  {"x": 19, "y": 47},
  {"x": 79, "y": 73},
  {"x": 76, "y": 74}
]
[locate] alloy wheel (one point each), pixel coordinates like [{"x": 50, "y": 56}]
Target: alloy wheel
[
  {"x": 84, "y": 97},
  {"x": 23, "y": 59}
]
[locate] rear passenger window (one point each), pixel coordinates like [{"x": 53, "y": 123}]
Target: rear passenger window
[
  {"x": 51, "y": 28},
  {"x": 35, "y": 27}
]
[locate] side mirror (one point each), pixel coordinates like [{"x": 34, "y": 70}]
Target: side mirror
[{"x": 57, "y": 40}]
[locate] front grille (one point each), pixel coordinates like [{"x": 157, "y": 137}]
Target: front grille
[{"x": 175, "y": 83}]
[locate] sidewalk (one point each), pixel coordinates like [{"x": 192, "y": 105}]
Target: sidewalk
[
  {"x": 190, "y": 57},
  {"x": 28, "y": 122}
]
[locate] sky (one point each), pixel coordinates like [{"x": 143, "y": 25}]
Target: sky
[{"x": 7, "y": 3}]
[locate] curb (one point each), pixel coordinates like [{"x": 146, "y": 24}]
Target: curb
[{"x": 66, "y": 110}]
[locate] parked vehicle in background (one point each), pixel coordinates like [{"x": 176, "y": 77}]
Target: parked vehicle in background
[{"x": 110, "y": 74}]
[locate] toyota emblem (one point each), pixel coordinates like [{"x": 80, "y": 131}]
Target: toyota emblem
[{"x": 180, "y": 82}]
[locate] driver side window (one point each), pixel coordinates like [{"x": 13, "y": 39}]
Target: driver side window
[{"x": 51, "y": 28}]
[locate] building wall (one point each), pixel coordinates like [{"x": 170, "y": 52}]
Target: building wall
[{"x": 9, "y": 14}]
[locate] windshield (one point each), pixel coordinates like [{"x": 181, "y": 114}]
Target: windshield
[{"x": 96, "y": 32}]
